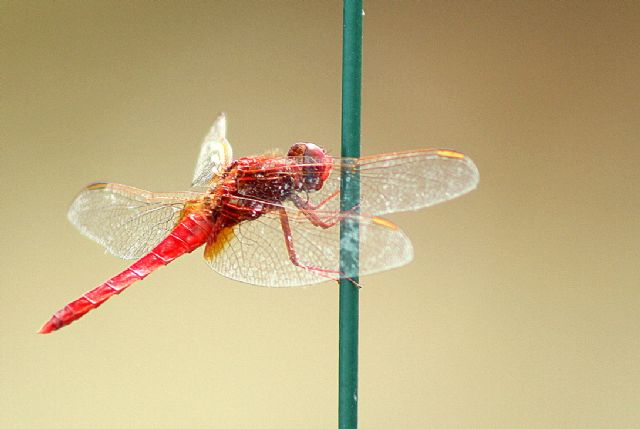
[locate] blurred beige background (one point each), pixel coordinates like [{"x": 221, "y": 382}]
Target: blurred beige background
[{"x": 521, "y": 309}]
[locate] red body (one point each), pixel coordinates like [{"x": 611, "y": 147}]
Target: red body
[
  {"x": 192, "y": 232},
  {"x": 266, "y": 220},
  {"x": 235, "y": 200}
]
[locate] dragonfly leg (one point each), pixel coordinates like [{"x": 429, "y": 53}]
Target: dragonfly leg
[
  {"x": 293, "y": 257},
  {"x": 309, "y": 211},
  {"x": 321, "y": 203}
]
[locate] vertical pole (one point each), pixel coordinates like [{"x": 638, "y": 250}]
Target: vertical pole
[{"x": 349, "y": 230}]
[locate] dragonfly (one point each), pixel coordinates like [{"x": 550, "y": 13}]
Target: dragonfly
[{"x": 270, "y": 220}]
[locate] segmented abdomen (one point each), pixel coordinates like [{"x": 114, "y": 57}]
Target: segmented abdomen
[{"x": 189, "y": 234}]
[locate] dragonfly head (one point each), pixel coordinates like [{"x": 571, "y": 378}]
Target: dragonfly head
[{"x": 315, "y": 168}]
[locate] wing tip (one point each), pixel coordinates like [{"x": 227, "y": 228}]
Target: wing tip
[
  {"x": 219, "y": 127},
  {"x": 474, "y": 172}
]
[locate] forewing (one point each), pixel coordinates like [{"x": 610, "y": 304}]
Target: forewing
[
  {"x": 256, "y": 251},
  {"x": 413, "y": 180},
  {"x": 127, "y": 221},
  {"x": 399, "y": 182},
  {"x": 215, "y": 153}
]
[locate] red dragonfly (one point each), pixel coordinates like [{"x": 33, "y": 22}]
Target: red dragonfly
[{"x": 266, "y": 220}]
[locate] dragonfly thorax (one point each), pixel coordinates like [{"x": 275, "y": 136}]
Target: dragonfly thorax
[{"x": 262, "y": 179}]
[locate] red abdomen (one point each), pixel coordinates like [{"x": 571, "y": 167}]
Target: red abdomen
[{"x": 189, "y": 234}]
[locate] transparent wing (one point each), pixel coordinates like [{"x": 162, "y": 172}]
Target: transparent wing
[
  {"x": 215, "y": 153},
  {"x": 414, "y": 180},
  {"x": 127, "y": 221},
  {"x": 256, "y": 251},
  {"x": 403, "y": 181}
]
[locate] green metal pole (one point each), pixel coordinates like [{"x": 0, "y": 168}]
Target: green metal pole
[{"x": 349, "y": 230}]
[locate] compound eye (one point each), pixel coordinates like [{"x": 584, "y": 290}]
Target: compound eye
[
  {"x": 315, "y": 152},
  {"x": 309, "y": 151},
  {"x": 316, "y": 165},
  {"x": 298, "y": 149}
]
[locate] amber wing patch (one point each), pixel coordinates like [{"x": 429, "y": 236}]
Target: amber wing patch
[{"x": 218, "y": 243}]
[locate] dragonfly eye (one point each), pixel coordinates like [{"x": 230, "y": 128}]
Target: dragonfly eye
[{"x": 316, "y": 165}]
